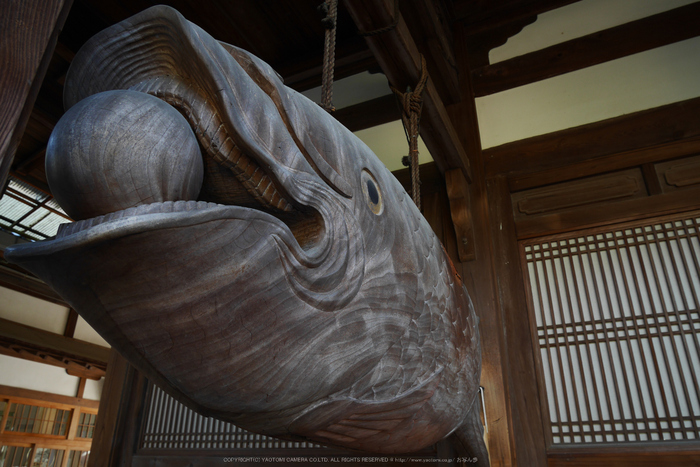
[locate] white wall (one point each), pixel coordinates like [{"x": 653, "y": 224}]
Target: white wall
[
  {"x": 31, "y": 311},
  {"x": 20, "y": 373},
  {"x": 649, "y": 79}
]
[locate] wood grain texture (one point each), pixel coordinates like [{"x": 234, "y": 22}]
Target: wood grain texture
[
  {"x": 116, "y": 427},
  {"x": 28, "y": 31},
  {"x": 612, "y": 213},
  {"x": 645, "y": 455},
  {"x": 398, "y": 55},
  {"x": 680, "y": 173},
  {"x": 335, "y": 316},
  {"x": 526, "y": 417},
  {"x": 587, "y": 191},
  {"x": 595, "y": 142}
]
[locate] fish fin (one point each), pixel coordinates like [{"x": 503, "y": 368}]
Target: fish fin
[{"x": 468, "y": 439}]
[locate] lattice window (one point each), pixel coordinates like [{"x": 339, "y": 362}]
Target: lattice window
[
  {"x": 29, "y": 212},
  {"x": 618, "y": 331},
  {"x": 13, "y": 456},
  {"x": 86, "y": 425},
  {"x": 78, "y": 458},
  {"x": 24, "y": 418},
  {"x": 171, "y": 425},
  {"x": 45, "y": 457}
]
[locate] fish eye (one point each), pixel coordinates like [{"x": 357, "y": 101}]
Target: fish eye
[{"x": 372, "y": 193}]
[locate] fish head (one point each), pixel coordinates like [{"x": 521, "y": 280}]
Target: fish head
[{"x": 273, "y": 268}]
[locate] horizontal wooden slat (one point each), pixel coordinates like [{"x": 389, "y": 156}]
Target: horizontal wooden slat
[
  {"x": 44, "y": 442},
  {"x": 631, "y": 38},
  {"x": 646, "y": 454},
  {"x": 622, "y": 160}
]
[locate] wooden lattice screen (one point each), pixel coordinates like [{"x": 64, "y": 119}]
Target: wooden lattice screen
[
  {"x": 617, "y": 329},
  {"x": 169, "y": 425}
]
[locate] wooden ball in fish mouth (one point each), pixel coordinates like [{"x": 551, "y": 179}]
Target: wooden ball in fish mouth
[{"x": 119, "y": 149}]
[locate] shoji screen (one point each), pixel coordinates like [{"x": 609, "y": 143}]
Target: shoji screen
[{"x": 617, "y": 329}]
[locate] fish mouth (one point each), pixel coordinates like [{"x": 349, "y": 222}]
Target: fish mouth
[{"x": 261, "y": 161}]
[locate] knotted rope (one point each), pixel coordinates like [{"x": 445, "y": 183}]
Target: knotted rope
[
  {"x": 330, "y": 8},
  {"x": 412, "y": 104}
]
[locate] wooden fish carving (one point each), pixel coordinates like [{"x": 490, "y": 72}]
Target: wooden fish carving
[{"x": 248, "y": 253}]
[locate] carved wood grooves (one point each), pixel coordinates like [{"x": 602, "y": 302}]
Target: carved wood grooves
[
  {"x": 28, "y": 31},
  {"x": 591, "y": 190}
]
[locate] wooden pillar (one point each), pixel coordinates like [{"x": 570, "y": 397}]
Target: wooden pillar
[
  {"x": 28, "y": 32},
  {"x": 118, "y": 418},
  {"x": 519, "y": 359},
  {"x": 515, "y": 435}
]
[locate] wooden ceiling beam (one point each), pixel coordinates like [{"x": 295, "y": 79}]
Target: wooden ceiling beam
[
  {"x": 627, "y": 39},
  {"x": 483, "y": 15},
  {"x": 66, "y": 347},
  {"x": 397, "y": 54},
  {"x": 307, "y": 74},
  {"x": 15, "y": 280},
  {"x": 594, "y": 142},
  {"x": 432, "y": 31},
  {"x": 369, "y": 114}
]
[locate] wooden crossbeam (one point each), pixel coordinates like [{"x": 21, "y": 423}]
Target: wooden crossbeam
[
  {"x": 594, "y": 142},
  {"x": 78, "y": 357},
  {"x": 397, "y": 54},
  {"x": 16, "y": 280},
  {"x": 369, "y": 114},
  {"x": 631, "y": 38}
]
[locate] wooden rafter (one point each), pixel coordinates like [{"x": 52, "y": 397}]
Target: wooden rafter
[
  {"x": 432, "y": 31},
  {"x": 631, "y": 38},
  {"x": 397, "y": 54}
]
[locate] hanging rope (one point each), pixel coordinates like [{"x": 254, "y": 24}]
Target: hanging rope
[
  {"x": 412, "y": 104},
  {"x": 330, "y": 9}
]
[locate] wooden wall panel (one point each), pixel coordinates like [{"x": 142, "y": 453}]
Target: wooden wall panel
[
  {"x": 679, "y": 174},
  {"x": 584, "y": 192},
  {"x": 597, "y": 147}
]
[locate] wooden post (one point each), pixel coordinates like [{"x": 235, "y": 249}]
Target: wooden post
[
  {"x": 479, "y": 275},
  {"x": 28, "y": 31},
  {"x": 527, "y": 429},
  {"x": 118, "y": 418}
]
